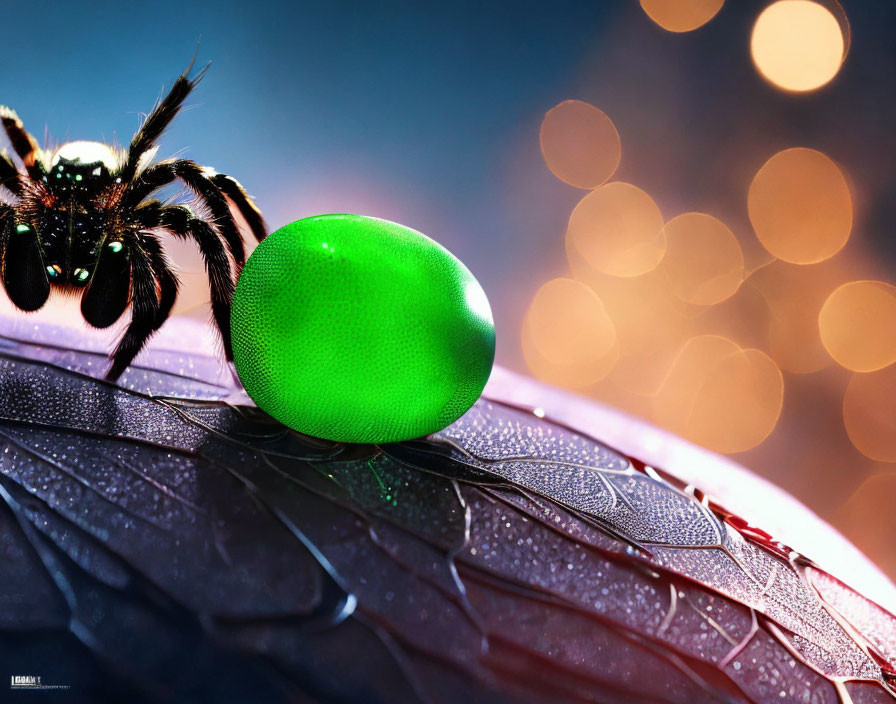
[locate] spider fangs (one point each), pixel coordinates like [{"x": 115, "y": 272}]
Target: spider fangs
[{"x": 83, "y": 221}]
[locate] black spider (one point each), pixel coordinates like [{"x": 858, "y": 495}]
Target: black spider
[{"x": 83, "y": 222}]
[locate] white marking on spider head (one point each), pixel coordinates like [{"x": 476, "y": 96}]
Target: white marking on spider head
[{"x": 85, "y": 152}]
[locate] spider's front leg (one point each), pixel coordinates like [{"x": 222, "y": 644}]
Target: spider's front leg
[
  {"x": 237, "y": 195},
  {"x": 181, "y": 222},
  {"x": 130, "y": 270},
  {"x": 21, "y": 263},
  {"x": 144, "y": 313},
  {"x": 168, "y": 281},
  {"x": 213, "y": 189}
]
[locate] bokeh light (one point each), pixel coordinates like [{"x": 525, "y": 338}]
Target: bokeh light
[
  {"x": 681, "y": 15},
  {"x": 798, "y": 45},
  {"x": 703, "y": 260},
  {"x": 742, "y": 318},
  {"x": 869, "y": 413},
  {"x": 567, "y": 336},
  {"x": 794, "y": 295},
  {"x": 720, "y": 396},
  {"x": 710, "y": 318},
  {"x": 868, "y": 517},
  {"x": 651, "y": 323},
  {"x": 681, "y": 385},
  {"x": 617, "y": 229},
  {"x": 580, "y": 144},
  {"x": 857, "y": 324},
  {"x": 800, "y": 206}
]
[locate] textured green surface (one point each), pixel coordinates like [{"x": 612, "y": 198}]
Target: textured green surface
[{"x": 356, "y": 329}]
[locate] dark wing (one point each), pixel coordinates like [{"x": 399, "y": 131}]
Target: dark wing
[{"x": 176, "y": 548}]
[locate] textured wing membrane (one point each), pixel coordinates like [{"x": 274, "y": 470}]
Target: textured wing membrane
[
  {"x": 679, "y": 533},
  {"x": 173, "y": 547}
]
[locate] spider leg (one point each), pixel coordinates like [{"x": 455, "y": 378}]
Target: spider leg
[
  {"x": 7, "y": 216},
  {"x": 23, "y": 143},
  {"x": 197, "y": 179},
  {"x": 156, "y": 122},
  {"x": 237, "y": 195},
  {"x": 180, "y": 222},
  {"x": 22, "y": 264},
  {"x": 9, "y": 174},
  {"x": 144, "y": 311},
  {"x": 168, "y": 282},
  {"x": 109, "y": 293}
]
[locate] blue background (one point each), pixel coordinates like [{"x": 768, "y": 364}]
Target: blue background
[{"x": 428, "y": 113}]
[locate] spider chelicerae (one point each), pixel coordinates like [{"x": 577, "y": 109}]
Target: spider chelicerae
[{"x": 83, "y": 221}]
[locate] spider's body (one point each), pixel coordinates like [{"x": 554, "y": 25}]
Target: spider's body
[
  {"x": 83, "y": 221},
  {"x": 71, "y": 221}
]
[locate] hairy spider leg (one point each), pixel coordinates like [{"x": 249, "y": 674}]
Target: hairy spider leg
[
  {"x": 130, "y": 267},
  {"x": 198, "y": 181},
  {"x": 180, "y": 222},
  {"x": 145, "y": 309},
  {"x": 156, "y": 122},
  {"x": 9, "y": 174},
  {"x": 23, "y": 143},
  {"x": 168, "y": 281},
  {"x": 235, "y": 192},
  {"x": 110, "y": 292}
]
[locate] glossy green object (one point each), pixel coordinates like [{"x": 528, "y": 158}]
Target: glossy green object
[{"x": 356, "y": 329}]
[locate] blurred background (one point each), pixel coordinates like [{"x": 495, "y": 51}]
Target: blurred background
[{"x": 682, "y": 208}]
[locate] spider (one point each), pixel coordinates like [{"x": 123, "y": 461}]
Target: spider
[{"x": 83, "y": 222}]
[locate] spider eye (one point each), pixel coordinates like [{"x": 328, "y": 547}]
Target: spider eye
[
  {"x": 81, "y": 275},
  {"x": 22, "y": 228},
  {"x": 115, "y": 247},
  {"x": 54, "y": 271}
]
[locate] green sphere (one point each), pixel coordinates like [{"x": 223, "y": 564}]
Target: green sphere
[{"x": 356, "y": 329}]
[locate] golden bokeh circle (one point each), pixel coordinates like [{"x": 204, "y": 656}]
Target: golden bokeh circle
[
  {"x": 703, "y": 261},
  {"x": 857, "y": 324},
  {"x": 868, "y": 518},
  {"x": 800, "y": 207},
  {"x": 685, "y": 377},
  {"x": 869, "y": 413},
  {"x": 681, "y": 15},
  {"x": 617, "y": 229},
  {"x": 721, "y": 396},
  {"x": 794, "y": 295},
  {"x": 580, "y": 144},
  {"x": 567, "y": 336},
  {"x": 797, "y": 45},
  {"x": 651, "y": 323}
]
